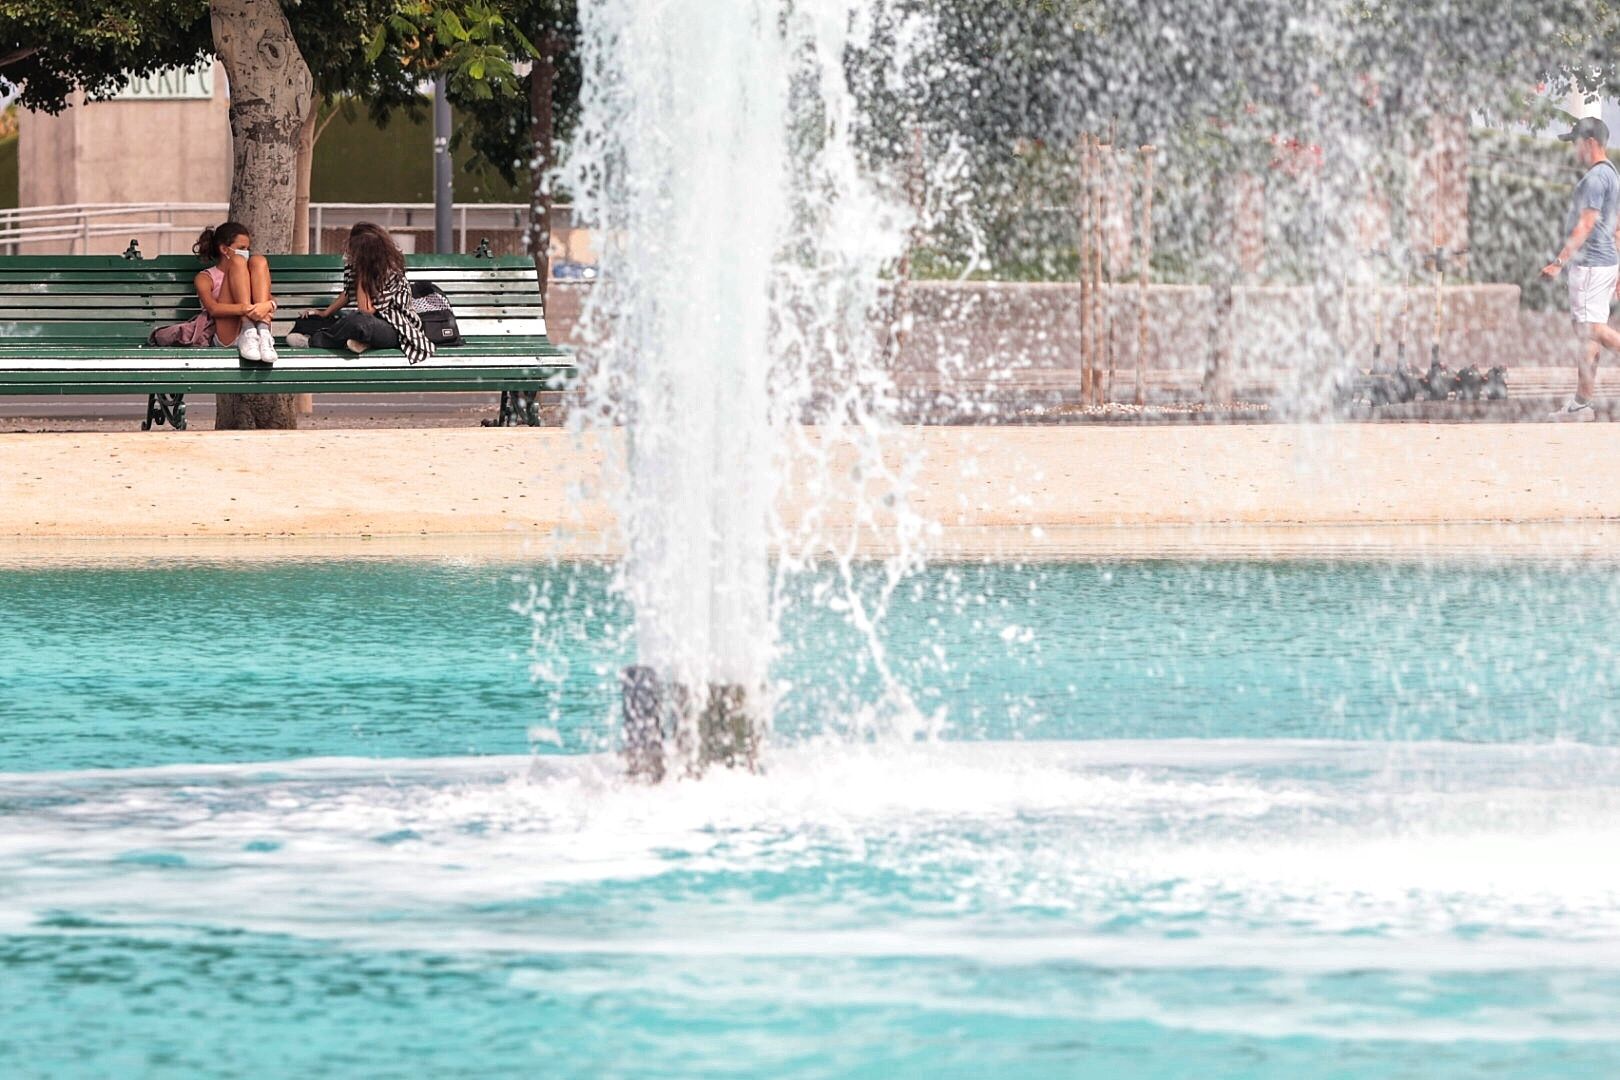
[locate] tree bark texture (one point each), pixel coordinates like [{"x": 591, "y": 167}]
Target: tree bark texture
[{"x": 271, "y": 99}]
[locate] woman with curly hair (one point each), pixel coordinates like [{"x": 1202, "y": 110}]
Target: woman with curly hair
[{"x": 374, "y": 281}]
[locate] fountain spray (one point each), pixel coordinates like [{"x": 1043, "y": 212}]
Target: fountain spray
[{"x": 742, "y": 248}]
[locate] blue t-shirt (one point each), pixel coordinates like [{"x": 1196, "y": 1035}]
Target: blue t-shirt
[{"x": 1598, "y": 190}]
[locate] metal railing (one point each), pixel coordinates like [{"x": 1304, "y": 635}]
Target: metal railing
[
  {"x": 75, "y": 227},
  {"x": 471, "y": 219}
]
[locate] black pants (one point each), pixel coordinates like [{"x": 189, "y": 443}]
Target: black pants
[{"x": 357, "y": 326}]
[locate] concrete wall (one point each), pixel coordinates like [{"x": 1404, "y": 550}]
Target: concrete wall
[
  {"x": 127, "y": 151},
  {"x": 967, "y": 325},
  {"x": 982, "y": 327},
  {"x": 1001, "y": 346},
  {"x": 47, "y": 173}
]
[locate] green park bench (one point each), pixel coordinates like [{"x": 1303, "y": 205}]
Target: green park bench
[{"x": 77, "y": 324}]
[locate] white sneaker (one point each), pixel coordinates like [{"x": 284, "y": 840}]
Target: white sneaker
[
  {"x": 1573, "y": 412},
  {"x": 356, "y": 346},
  {"x": 298, "y": 341},
  {"x": 267, "y": 345},
  {"x": 247, "y": 343}
]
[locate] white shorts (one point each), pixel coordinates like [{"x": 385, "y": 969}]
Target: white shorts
[{"x": 1591, "y": 289}]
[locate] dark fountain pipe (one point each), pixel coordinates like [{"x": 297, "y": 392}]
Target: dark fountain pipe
[{"x": 719, "y": 729}]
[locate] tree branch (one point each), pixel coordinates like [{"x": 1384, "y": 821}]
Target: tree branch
[
  {"x": 16, "y": 55},
  {"x": 320, "y": 128}
]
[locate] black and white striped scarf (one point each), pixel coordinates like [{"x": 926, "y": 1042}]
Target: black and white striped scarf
[{"x": 393, "y": 306}]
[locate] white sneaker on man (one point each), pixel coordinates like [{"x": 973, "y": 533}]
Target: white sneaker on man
[
  {"x": 267, "y": 345},
  {"x": 1573, "y": 411},
  {"x": 248, "y": 346}
]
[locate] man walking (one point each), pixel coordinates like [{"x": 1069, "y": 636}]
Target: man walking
[{"x": 1591, "y": 256}]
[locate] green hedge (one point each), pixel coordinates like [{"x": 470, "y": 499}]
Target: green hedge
[{"x": 357, "y": 161}]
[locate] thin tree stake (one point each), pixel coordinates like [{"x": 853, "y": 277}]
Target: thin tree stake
[
  {"x": 1147, "y": 259},
  {"x": 1083, "y": 256},
  {"x": 1098, "y": 329}
]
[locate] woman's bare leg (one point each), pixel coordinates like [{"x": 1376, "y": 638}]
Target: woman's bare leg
[
  {"x": 259, "y": 282},
  {"x": 259, "y": 279},
  {"x": 234, "y": 290}
]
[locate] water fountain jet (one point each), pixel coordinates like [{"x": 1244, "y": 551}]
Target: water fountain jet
[{"x": 707, "y": 352}]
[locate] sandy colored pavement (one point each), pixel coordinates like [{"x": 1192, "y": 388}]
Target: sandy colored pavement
[
  {"x": 1080, "y": 489},
  {"x": 295, "y": 483}
]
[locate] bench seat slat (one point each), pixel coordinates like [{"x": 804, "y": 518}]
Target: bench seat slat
[
  {"x": 360, "y": 381},
  {"x": 132, "y": 309},
  {"x": 88, "y": 355},
  {"x": 233, "y": 373},
  {"x": 401, "y": 370},
  {"x": 44, "y": 264},
  {"x": 41, "y": 336},
  {"x": 134, "y": 293},
  {"x": 153, "y": 314},
  {"x": 277, "y": 273}
]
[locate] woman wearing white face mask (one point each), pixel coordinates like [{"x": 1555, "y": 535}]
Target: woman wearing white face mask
[{"x": 235, "y": 292}]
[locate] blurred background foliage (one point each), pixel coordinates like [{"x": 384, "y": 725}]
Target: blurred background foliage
[{"x": 988, "y": 102}]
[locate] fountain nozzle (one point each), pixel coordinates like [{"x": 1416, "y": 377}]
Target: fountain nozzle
[{"x": 722, "y": 731}]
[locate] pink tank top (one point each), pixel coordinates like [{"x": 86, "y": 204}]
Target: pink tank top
[
  {"x": 202, "y": 327},
  {"x": 197, "y": 330}
]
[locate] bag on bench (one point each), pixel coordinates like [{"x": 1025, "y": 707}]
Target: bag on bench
[
  {"x": 433, "y": 308},
  {"x": 310, "y": 325}
]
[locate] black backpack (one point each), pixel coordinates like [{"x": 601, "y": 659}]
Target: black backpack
[{"x": 433, "y": 308}]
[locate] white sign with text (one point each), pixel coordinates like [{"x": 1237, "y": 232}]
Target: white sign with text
[{"x": 173, "y": 84}]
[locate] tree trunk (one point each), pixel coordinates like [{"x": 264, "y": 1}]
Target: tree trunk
[
  {"x": 271, "y": 97},
  {"x": 542, "y": 125},
  {"x": 306, "y": 164},
  {"x": 1226, "y": 270},
  {"x": 1217, "y": 384}
]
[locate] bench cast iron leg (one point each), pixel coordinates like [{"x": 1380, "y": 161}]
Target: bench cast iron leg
[
  {"x": 519, "y": 408},
  {"x": 165, "y": 409}
]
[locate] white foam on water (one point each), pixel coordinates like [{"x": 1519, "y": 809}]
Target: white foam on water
[
  {"x": 1287, "y": 856},
  {"x": 1580, "y": 1012}
]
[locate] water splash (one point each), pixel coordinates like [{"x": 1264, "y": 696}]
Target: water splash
[{"x": 743, "y": 248}]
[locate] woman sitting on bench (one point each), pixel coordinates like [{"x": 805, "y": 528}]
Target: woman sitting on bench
[
  {"x": 374, "y": 279},
  {"x": 235, "y": 291},
  {"x": 235, "y": 295}
]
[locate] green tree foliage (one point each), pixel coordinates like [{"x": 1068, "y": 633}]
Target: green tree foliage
[
  {"x": 473, "y": 43},
  {"x": 49, "y": 49},
  {"x": 501, "y": 131},
  {"x": 999, "y": 92},
  {"x": 1051, "y": 68},
  {"x": 378, "y": 51}
]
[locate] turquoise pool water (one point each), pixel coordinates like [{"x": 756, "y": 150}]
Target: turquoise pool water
[{"x": 1136, "y": 820}]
